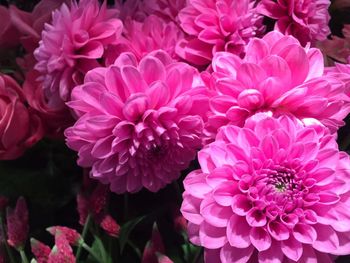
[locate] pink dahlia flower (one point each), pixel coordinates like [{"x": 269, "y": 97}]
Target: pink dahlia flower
[
  {"x": 141, "y": 38},
  {"x": 72, "y": 44},
  {"x": 338, "y": 48},
  {"x": 272, "y": 191},
  {"x": 217, "y": 25},
  {"x": 167, "y": 9},
  {"x": 307, "y": 20},
  {"x": 276, "y": 74},
  {"x": 140, "y": 124},
  {"x": 30, "y": 25}
]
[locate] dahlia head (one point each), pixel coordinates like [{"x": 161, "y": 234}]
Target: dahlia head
[
  {"x": 274, "y": 190},
  {"x": 276, "y": 74},
  {"x": 139, "y": 124},
  {"x": 72, "y": 44},
  {"x": 307, "y": 20},
  {"x": 141, "y": 38},
  {"x": 217, "y": 25}
]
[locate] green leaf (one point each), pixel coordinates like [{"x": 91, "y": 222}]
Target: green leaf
[
  {"x": 126, "y": 229},
  {"x": 100, "y": 251}
]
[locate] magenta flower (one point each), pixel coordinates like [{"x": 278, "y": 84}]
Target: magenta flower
[
  {"x": 307, "y": 20},
  {"x": 140, "y": 124},
  {"x": 61, "y": 252},
  {"x": 141, "y": 38},
  {"x": 17, "y": 224},
  {"x": 272, "y": 191},
  {"x": 217, "y": 25},
  {"x": 168, "y": 9},
  {"x": 40, "y": 251},
  {"x": 72, "y": 44},
  {"x": 276, "y": 74},
  {"x": 72, "y": 236},
  {"x": 338, "y": 48}
]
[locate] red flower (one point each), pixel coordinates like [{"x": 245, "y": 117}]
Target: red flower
[
  {"x": 72, "y": 236},
  {"x": 17, "y": 224},
  {"x": 40, "y": 251},
  {"x": 61, "y": 252},
  {"x": 110, "y": 226}
]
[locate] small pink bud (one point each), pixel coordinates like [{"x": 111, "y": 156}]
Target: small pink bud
[
  {"x": 98, "y": 199},
  {"x": 153, "y": 246},
  {"x": 61, "y": 252},
  {"x": 17, "y": 224},
  {"x": 110, "y": 226},
  {"x": 40, "y": 251},
  {"x": 73, "y": 237}
]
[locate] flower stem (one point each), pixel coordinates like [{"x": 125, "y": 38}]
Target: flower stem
[
  {"x": 2, "y": 233},
  {"x": 23, "y": 256},
  {"x": 126, "y": 206},
  {"x": 83, "y": 235},
  {"x": 91, "y": 252}
]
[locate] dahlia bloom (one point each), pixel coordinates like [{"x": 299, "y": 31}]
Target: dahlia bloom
[
  {"x": 30, "y": 25},
  {"x": 338, "y": 48},
  {"x": 141, "y": 38},
  {"x": 276, "y": 74},
  {"x": 20, "y": 127},
  {"x": 217, "y": 25},
  {"x": 272, "y": 191},
  {"x": 307, "y": 20},
  {"x": 72, "y": 44},
  {"x": 131, "y": 9},
  {"x": 167, "y": 9},
  {"x": 140, "y": 123}
]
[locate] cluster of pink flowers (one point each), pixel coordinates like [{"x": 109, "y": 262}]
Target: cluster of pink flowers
[{"x": 141, "y": 88}]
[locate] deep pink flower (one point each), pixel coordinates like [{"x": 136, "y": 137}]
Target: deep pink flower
[
  {"x": 338, "y": 48},
  {"x": 268, "y": 192},
  {"x": 307, "y": 20},
  {"x": 276, "y": 74},
  {"x": 30, "y": 25},
  {"x": 72, "y": 44},
  {"x": 72, "y": 236},
  {"x": 61, "y": 252},
  {"x": 54, "y": 114},
  {"x": 108, "y": 224},
  {"x": 40, "y": 251},
  {"x": 140, "y": 124},
  {"x": 141, "y": 38},
  {"x": 217, "y": 25},
  {"x": 131, "y": 9},
  {"x": 168, "y": 9},
  {"x": 17, "y": 224},
  {"x": 20, "y": 127}
]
